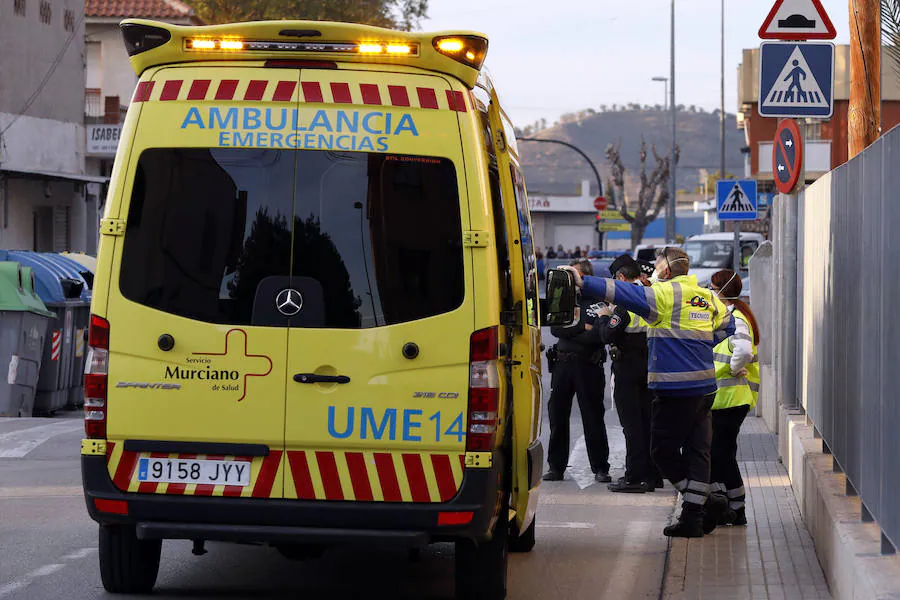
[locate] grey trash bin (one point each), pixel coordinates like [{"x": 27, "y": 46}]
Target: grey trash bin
[
  {"x": 23, "y": 328},
  {"x": 64, "y": 292}
]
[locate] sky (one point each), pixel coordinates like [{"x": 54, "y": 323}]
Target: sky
[{"x": 552, "y": 57}]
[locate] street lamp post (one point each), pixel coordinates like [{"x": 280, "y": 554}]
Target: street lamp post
[
  {"x": 670, "y": 208},
  {"x": 583, "y": 155}
]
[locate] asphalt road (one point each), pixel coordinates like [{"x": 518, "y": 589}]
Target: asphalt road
[{"x": 591, "y": 543}]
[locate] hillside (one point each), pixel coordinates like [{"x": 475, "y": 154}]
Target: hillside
[{"x": 554, "y": 169}]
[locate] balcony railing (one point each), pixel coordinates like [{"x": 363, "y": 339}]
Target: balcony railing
[{"x": 94, "y": 106}]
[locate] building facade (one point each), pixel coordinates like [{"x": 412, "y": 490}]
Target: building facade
[{"x": 47, "y": 203}]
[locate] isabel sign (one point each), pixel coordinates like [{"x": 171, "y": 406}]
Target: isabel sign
[{"x": 102, "y": 140}]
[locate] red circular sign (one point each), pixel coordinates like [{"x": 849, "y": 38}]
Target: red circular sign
[
  {"x": 787, "y": 156},
  {"x": 600, "y": 203}
]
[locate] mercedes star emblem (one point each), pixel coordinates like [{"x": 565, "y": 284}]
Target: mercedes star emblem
[{"x": 289, "y": 302}]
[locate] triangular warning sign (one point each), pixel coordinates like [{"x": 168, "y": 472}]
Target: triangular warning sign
[
  {"x": 796, "y": 86},
  {"x": 737, "y": 201},
  {"x": 797, "y": 20}
]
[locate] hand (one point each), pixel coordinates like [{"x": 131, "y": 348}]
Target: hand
[
  {"x": 605, "y": 311},
  {"x": 741, "y": 373},
  {"x": 588, "y": 327},
  {"x": 579, "y": 282}
]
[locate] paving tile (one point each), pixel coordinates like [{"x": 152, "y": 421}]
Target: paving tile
[{"x": 773, "y": 558}]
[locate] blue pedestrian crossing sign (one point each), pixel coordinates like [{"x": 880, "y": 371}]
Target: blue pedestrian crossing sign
[
  {"x": 736, "y": 200},
  {"x": 796, "y": 80}
]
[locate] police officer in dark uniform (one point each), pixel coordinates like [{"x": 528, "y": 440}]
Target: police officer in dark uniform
[
  {"x": 626, "y": 334},
  {"x": 578, "y": 370}
]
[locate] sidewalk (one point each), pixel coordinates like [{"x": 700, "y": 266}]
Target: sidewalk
[{"x": 773, "y": 558}]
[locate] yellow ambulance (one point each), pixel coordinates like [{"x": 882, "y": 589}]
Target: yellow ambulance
[{"x": 315, "y": 316}]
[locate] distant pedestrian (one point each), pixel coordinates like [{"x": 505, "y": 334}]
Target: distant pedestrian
[
  {"x": 551, "y": 253},
  {"x": 539, "y": 258},
  {"x": 737, "y": 379},
  {"x": 578, "y": 371}
]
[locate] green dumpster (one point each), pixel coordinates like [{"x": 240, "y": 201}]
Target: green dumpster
[{"x": 23, "y": 328}]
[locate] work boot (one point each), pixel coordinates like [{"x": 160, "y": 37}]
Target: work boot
[
  {"x": 602, "y": 477},
  {"x": 689, "y": 525},
  {"x": 626, "y": 487},
  {"x": 553, "y": 475},
  {"x": 740, "y": 517},
  {"x": 716, "y": 512},
  {"x": 654, "y": 484}
]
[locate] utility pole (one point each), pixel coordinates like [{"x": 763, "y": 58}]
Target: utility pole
[
  {"x": 864, "y": 116},
  {"x": 670, "y": 205},
  {"x": 722, "y": 109}
]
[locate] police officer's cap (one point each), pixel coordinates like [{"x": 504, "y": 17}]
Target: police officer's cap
[
  {"x": 647, "y": 267},
  {"x": 620, "y": 262}
]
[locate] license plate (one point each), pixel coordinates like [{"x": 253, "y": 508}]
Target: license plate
[{"x": 185, "y": 470}]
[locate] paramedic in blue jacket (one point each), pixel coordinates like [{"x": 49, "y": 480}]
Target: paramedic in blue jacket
[{"x": 685, "y": 322}]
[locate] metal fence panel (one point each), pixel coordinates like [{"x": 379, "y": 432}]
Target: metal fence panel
[
  {"x": 888, "y": 511},
  {"x": 850, "y": 242}
]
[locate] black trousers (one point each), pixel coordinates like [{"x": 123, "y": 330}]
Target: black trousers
[
  {"x": 725, "y": 473},
  {"x": 587, "y": 381},
  {"x": 634, "y": 404},
  {"x": 681, "y": 436}
]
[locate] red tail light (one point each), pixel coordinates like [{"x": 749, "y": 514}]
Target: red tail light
[
  {"x": 96, "y": 378},
  {"x": 115, "y": 507},
  {"x": 484, "y": 391}
]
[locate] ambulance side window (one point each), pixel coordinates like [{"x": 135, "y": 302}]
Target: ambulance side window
[{"x": 527, "y": 244}]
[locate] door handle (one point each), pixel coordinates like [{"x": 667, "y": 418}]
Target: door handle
[{"x": 313, "y": 378}]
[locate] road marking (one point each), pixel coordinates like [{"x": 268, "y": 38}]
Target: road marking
[
  {"x": 44, "y": 571},
  {"x": 41, "y": 491},
  {"x": 579, "y": 465},
  {"x": 17, "y": 444},
  {"x": 568, "y": 525},
  {"x": 630, "y": 559},
  {"x": 79, "y": 554},
  {"x": 18, "y": 584}
]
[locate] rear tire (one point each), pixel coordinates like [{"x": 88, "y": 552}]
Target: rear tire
[
  {"x": 522, "y": 542},
  {"x": 127, "y": 565},
  {"x": 481, "y": 568}
]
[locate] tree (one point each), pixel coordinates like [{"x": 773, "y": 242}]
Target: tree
[
  {"x": 890, "y": 31},
  {"x": 394, "y": 14},
  {"x": 654, "y": 190}
]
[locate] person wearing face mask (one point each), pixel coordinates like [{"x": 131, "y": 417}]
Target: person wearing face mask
[
  {"x": 626, "y": 335},
  {"x": 737, "y": 379},
  {"x": 685, "y": 322}
]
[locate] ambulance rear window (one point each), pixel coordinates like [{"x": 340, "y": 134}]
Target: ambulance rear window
[{"x": 379, "y": 234}]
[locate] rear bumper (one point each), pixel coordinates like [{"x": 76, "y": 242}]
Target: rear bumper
[{"x": 277, "y": 521}]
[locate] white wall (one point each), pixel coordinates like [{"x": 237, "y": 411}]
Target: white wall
[{"x": 117, "y": 75}]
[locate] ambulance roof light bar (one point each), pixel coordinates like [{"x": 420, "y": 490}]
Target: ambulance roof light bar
[{"x": 151, "y": 43}]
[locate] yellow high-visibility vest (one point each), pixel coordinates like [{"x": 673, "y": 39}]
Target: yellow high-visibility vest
[{"x": 736, "y": 391}]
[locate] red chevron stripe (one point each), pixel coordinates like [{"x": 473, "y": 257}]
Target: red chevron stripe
[
  {"x": 341, "y": 93},
  {"x": 457, "y": 101},
  {"x": 171, "y": 89},
  {"x": 125, "y": 470},
  {"x": 444, "y": 475},
  {"x": 370, "y": 93},
  {"x": 359, "y": 477},
  {"x": 399, "y": 95},
  {"x": 415, "y": 473},
  {"x": 330, "y": 479},
  {"x": 198, "y": 90},
  {"x": 142, "y": 91},
  {"x": 284, "y": 91},
  {"x": 256, "y": 90},
  {"x": 312, "y": 92},
  {"x": 227, "y": 88},
  {"x": 427, "y": 98},
  {"x": 266, "y": 478},
  {"x": 302, "y": 478},
  {"x": 387, "y": 476}
]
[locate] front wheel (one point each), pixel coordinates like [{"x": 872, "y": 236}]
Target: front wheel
[
  {"x": 481, "y": 568},
  {"x": 128, "y": 565},
  {"x": 522, "y": 542}
]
